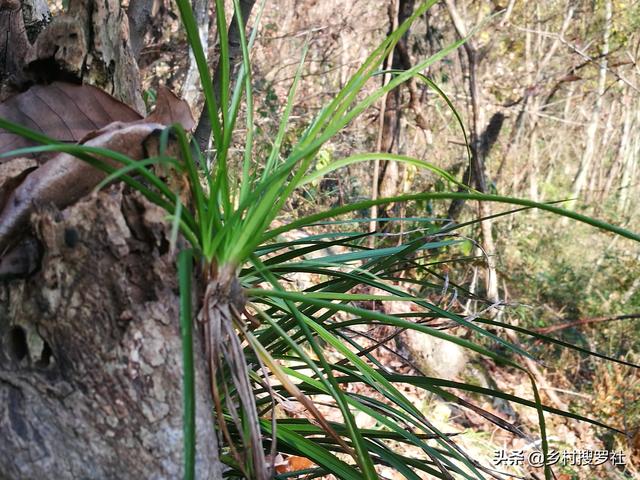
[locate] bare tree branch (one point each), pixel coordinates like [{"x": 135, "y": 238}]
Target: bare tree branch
[{"x": 203, "y": 130}]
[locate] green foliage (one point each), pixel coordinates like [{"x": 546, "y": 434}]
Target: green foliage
[
  {"x": 229, "y": 220},
  {"x": 185, "y": 265}
]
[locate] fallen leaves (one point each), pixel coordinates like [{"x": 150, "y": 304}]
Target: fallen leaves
[
  {"x": 62, "y": 111},
  {"x": 70, "y": 113},
  {"x": 292, "y": 463}
]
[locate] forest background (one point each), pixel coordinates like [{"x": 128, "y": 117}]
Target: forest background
[{"x": 549, "y": 95}]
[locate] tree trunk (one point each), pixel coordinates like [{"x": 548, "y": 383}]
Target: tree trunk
[
  {"x": 623, "y": 144},
  {"x": 90, "y": 369},
  {"x": 588, "y": 155},
  {"x": 191, "y": 90},
  {"x": 140, "y": 14},
  {"x": 389, "y": 175},
  {"x": 203, "y": 130},
  {"x": 88, "y": 44},
  {"x": 90, "y": 351},
  {"x": 629, "y": 169},
  {"x": 478, "y": 151},
  {"x": 386, "y": 174}
]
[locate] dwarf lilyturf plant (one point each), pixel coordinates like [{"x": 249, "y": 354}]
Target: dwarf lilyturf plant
[{"x": 266, "y": 344}]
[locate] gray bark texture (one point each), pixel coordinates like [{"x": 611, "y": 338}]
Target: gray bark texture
[
  {"x": 90, "y": 353},
  {"x": 90, "y": 349},
  {"x": 88, "y": 44},
  {"x": 140, "y": 15}
]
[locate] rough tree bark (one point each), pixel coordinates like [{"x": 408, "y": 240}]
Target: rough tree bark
[
  {"x": 90, "y": 354},
  {"x": 140, "y": 15},
  {"x": 88, "y": 44},
  {"x": 386, "y": 174},
  {"x": 90, "y": 358},
  {"x": 388, "y": 181},
  {"x": 629, "y": 165}
]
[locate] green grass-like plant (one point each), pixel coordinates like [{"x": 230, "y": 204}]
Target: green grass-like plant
[{"x": 242, "y": 261}]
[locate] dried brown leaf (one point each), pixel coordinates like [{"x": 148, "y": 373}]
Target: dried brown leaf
[
  {"x": 62, "y": 111},
  {"x": 170, "y": 109},
  {"x": 293, "y": 463},
  {"x": 65, "y": 179},
  {"x": 72, "y": 113}
]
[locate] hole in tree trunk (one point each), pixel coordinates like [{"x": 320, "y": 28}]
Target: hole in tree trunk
[
  {"x": 45, "y": 356},
  {"x": 17, "y": 343}
]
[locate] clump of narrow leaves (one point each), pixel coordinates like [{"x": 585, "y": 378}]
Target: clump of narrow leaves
[{"x": 266, "y": 344}]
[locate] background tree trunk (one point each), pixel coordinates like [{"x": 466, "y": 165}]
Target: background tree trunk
[
  {"x": 391, "y": 125},
  {"x": 203, "y": 130},
  {"x": 584, "y": 170},
  {"x": 478, "y": 151},
  {"x": 89, "y": 43},
  {"x": 386, "y": 174}
]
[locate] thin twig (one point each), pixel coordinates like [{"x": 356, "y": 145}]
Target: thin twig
[{"x": 586, "y": 321}]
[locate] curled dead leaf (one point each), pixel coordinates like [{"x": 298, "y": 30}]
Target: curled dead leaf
[
  {"x": 292, "y": 463},
  {"x": 72, "y": 113},
  {"x": 65, "y": 179},
  {"x": 170, "y": 109}
]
